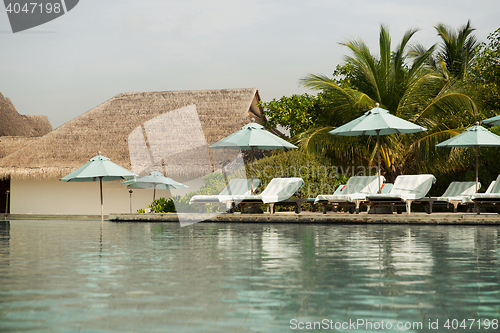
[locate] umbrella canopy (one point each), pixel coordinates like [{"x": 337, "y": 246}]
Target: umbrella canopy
[
  {"x": 475, "y": 136},
  {"x": 99, "y": 168},
  {"x": 377, "y": 121},
  {"x": 492, "y": 121},
  {"x": 252, "y": 136},
  {"x": 154, "y": 180}
]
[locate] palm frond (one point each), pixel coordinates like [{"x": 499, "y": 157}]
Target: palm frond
[
  {"x": 349, "y": 103},
  {"x": 341, "y": 150},
  {"x": 429, "y": 158}
]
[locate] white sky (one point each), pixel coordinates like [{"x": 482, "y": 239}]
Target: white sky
[{"x": 104, "y": 47}]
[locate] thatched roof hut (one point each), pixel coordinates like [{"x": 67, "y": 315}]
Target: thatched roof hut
[
  {"x": 109, "y": 127},
  {"x": 14, "y": 124}
]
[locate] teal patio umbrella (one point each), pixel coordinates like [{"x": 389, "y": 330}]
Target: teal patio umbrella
[
  {"x": 492, "y": 121},
  {"x": 99, "y": 168},
  {"x": 475, "y": 136},
  {"x": 250, "y": 137},
  {"x": 377, "y": 121},
  {"x": 154, "y": 180}
]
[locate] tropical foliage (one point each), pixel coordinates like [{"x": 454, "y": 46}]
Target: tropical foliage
[
  {"x": 423, "y": 85},
  {"x": 484, "y": 74},
  {"x": 297, "y": 112}
]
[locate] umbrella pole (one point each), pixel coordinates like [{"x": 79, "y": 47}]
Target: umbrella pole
[
  {"x": 477, "y": 167},
  {"x": 102, "y": 205},
  {"x": 251, "y": 171},
  {"x": 378, "y": 157},
  {"x": 154, "y": 192}
]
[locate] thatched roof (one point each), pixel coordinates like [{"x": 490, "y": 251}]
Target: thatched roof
[
  {"x": 40, "y": 125},
  {"x": 137, "y": 122},
  {"x": 9, "y": 144},
  {"x": 14, "y": 124}
]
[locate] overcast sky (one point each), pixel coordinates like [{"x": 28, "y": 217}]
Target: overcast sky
[{"x": 104, "y": 47}]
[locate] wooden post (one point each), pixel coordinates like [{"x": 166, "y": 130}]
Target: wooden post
[{"x": 130, "y": 191}]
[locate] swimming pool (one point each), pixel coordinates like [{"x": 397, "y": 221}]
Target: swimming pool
[{"x": 84, "y": 276}]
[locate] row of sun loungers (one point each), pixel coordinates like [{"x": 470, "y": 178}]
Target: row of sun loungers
[
  {"x": 363, "y": 190},
  {"x": 238, "y": 192},
  {"x": 358, "y": 191}
]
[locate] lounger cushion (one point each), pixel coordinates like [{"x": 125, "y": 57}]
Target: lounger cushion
[
  {"x": 279, "y": 189},
  {"x": 407, "y": 187},
  {"x": 357, "y": 188},
  {"x": 488, "y": 196},
  {"x": 236, "y": 186},
  {"x": 459, "y": 191}
]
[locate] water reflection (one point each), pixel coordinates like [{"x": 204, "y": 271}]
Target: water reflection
[
  {"x": 242, "y": 277},
  {"x": 4, "y": 242}
]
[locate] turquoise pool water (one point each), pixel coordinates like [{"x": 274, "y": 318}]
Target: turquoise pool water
[{"x": 68, "y": 276}]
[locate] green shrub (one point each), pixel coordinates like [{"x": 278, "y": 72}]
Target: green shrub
[
  {"x": 320, "y": 176},
  {"x": 162, "y": 205}
]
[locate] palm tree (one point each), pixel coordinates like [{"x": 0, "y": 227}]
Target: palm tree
[
  {"x": 457, "y": 49},
  {"x": 403, "y": 82}
]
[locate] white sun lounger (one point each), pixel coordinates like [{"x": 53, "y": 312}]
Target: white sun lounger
[
  {"x": 406, "y": 189},
  {"x": 490, "y": 188},
  {"x": 352, "y": 194},
  {"x": 490, "y": 198},
  {"x": 278, "y": 192},
  {"x": 235, "y": 186},
  {"x": 457, "y": 193}
]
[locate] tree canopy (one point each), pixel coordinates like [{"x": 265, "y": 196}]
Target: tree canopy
[
  {"x": 438, "y": 87},
  {"x": 484, "y": 74}
]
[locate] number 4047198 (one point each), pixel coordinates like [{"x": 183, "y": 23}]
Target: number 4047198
[
  {"x": 34, "y": 7},
  {"x": 470, "y": 323}
]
